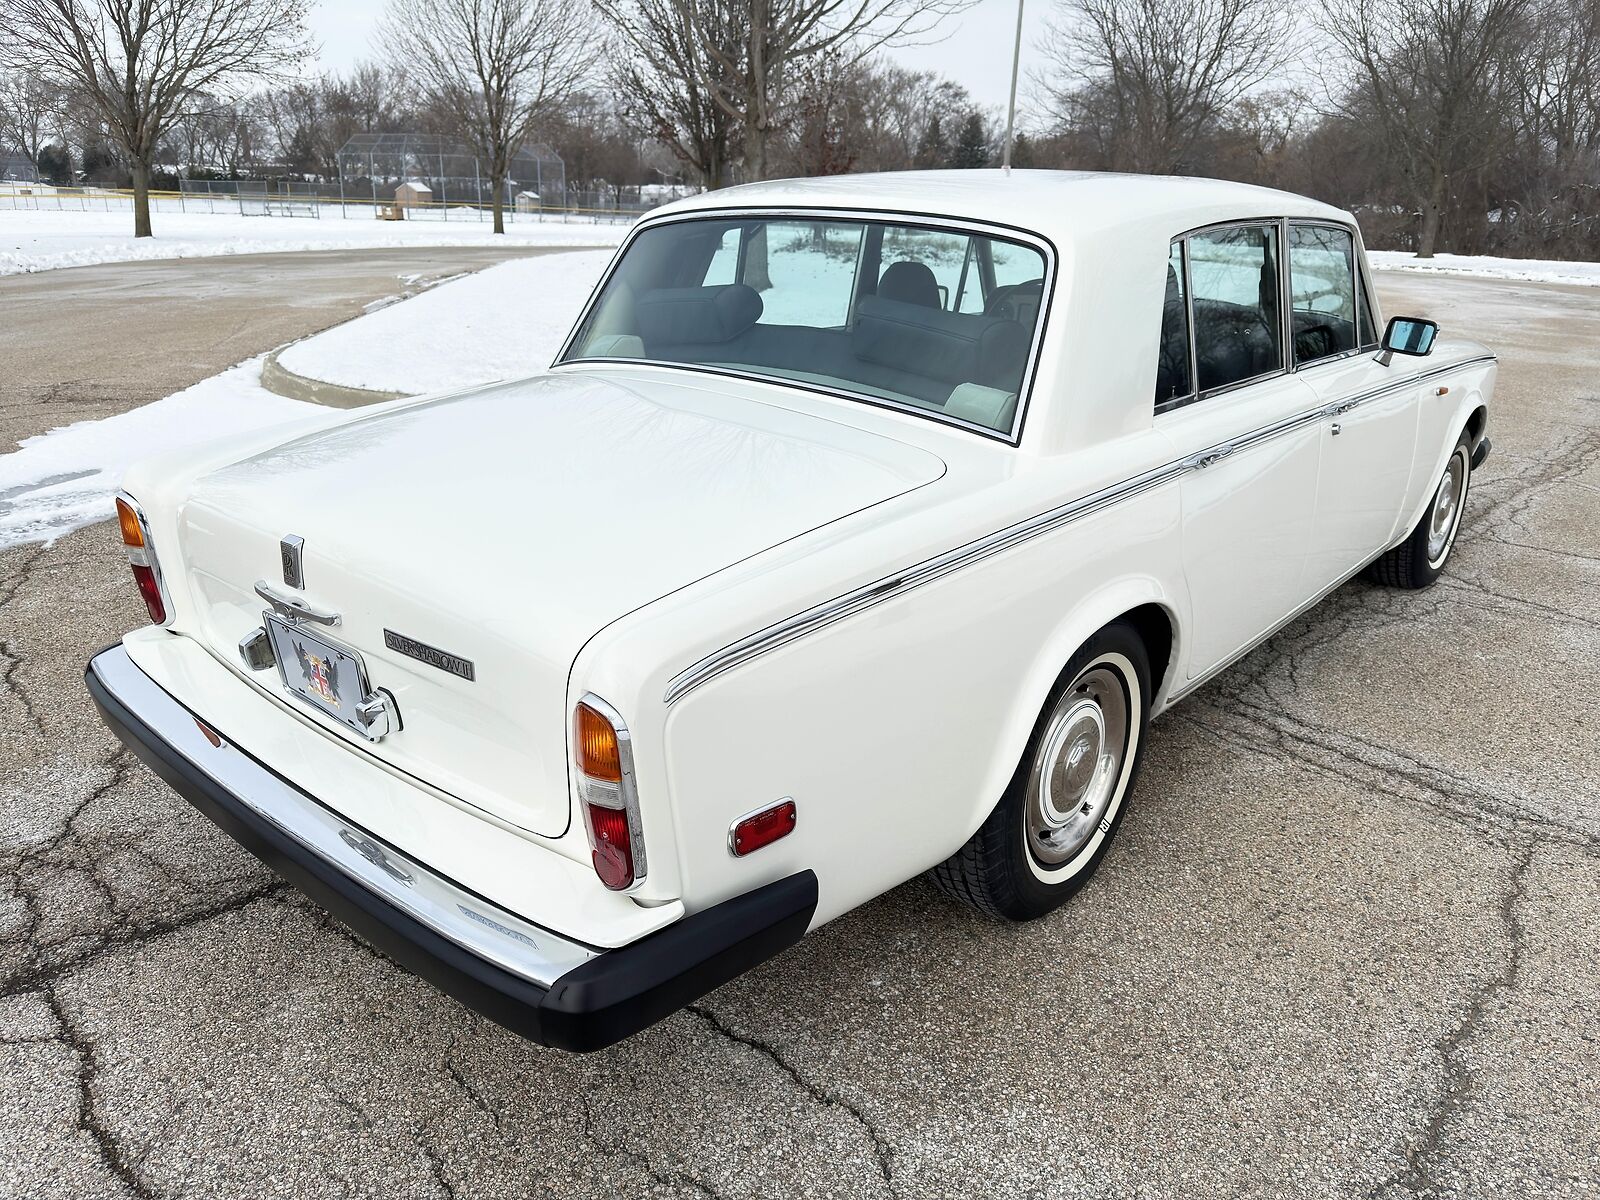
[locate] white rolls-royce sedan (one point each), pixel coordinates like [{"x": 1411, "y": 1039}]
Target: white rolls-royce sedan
[{"x": 860, "y": 529}]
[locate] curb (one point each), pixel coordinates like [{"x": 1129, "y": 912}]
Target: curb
[{"x": 277, "y": 378}]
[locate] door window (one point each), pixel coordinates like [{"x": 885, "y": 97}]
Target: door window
[
  {"x": 1172, "y": 363},
  {"x": 1322, "y": 289},
  {"x": 1234, "y": 276}
]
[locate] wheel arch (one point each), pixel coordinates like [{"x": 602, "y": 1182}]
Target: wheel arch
[
  {"x": 1472, "y": 418},
  {"x": 1146, "y": 604}
]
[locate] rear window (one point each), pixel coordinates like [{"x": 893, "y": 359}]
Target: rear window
[{"x": 938, "y": 321}]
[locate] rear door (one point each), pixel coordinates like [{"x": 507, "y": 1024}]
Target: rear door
[
  {"x": 1249, "y": 428},
  {"x": 1369, "y": 432}
]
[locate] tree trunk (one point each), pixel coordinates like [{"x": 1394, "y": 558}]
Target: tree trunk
[
  {"x": 755, "y": 147},
  {"x": 141, "y": 198},
  {"x": 1432, "y": 213},
  {"x": 498, "y": 183}
]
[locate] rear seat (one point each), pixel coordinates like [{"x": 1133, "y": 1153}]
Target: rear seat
[{"x": 898, "y": 346}]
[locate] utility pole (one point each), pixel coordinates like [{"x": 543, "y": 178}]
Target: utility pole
[{"x": 1011, "y": 108}]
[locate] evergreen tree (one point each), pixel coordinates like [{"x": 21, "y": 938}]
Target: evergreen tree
[
  {"x": 55, "y": 165},
  {"x": 1022, "y": 152},
  {"x": 972, "y": 144},
  {"x": 932, "y": 150}
]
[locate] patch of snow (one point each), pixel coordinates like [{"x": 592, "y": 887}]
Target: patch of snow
[
  {"x": 502, "y": 323},
  {"x": 62, "y": 480},
  {"x": 44, "y": 240},
  {"x": 1531, "y": 270}
]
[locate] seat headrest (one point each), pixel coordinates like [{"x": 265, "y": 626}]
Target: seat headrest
[
  {"x": 675, "y": 316},
  {"x": 910, "y": 282},
  {"x": 1174, "y": 296},
  {"x": 950, "y": 347}
]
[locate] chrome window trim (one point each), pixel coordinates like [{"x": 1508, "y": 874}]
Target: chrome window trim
[
  {"x": 819, "y": 616},
  {"x": 881, "y": 216}
]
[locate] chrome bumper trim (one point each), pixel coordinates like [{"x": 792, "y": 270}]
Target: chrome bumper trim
[{"x": 462, "y": 917}]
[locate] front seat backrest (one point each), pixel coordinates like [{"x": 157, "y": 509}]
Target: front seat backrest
[{"x": 910, "y": 282}]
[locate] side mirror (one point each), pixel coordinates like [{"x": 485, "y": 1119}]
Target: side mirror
[{"x": 1408, "y": 335}]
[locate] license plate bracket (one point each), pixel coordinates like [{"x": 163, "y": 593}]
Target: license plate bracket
[{"x": 326, "y": 675}]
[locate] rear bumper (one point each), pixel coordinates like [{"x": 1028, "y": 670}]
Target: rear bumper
[{"x": 546, "y": 987}]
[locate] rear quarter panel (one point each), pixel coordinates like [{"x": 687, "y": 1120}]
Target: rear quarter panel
[{"x": 895, "y": 730}]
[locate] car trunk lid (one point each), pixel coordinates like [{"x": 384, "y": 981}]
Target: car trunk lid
[{"x": 503, "y": 528}]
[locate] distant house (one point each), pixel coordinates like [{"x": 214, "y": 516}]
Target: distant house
[
  {"x": 413, "y": 191},
  {"x": 528, "y": 202}
]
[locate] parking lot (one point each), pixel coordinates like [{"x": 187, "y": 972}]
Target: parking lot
[{"x": 1345, "y": 944}]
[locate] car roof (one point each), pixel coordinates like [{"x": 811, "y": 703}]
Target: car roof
[{"x": 1060, "y": 205}]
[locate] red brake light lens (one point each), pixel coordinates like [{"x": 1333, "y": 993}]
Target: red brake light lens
[
  {"x": 611, "y": 847},
  {"x": 762, "y": 828},
  {"x": 150, "y": 590}
]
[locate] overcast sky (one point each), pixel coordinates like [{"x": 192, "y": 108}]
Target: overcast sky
[{"x": 974, "y": 50}]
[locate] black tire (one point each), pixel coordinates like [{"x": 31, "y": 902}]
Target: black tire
[
  {"x": 1410, "y": 565},
  {"x": 1000, "y": 870}
]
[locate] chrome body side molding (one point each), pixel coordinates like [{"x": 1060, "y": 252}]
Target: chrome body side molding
[{"x": 822, "y": 615}]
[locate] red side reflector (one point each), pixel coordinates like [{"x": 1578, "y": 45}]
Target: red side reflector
[
  {"x": 151, "y": 591},
  {"x": 762, "y": 829},
  {"x": 613, "y": 851}
]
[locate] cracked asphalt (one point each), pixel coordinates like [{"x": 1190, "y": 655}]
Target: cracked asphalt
[{"x": 1344, "y": 946}]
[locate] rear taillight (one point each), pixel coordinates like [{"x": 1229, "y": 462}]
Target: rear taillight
[
  {"x": 603, "y": 759},
  {"x": 142, "y": 558}
]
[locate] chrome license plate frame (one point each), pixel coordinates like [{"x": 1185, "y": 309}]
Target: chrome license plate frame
[{"x": 326, "y": 675}]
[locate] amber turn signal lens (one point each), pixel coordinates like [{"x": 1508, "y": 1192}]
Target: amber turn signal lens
[
  {"x": 128, "y": 520},
  {"x": 596, "y": 740}
]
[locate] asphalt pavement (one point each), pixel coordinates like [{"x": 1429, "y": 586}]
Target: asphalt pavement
[{"x": 1345, "y": 944}]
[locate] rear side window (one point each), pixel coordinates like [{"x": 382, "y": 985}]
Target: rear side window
[
  {"x": 1234, "y": 276},
  {"x": 1172, "y": 363},
  {"x": 1322, "y": 288}
]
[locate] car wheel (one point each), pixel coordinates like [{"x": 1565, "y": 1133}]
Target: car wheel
[
  {"x": 1064, "y": 805},
  {"x": 1417, "y": 561}
]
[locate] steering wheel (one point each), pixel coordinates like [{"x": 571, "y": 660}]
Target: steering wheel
[{"x": 1017, "y": 302}]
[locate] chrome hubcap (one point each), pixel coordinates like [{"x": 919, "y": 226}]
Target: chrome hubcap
[
  {"x": 1079, "y": 763},
  {"x": 1446, "y": 510}
]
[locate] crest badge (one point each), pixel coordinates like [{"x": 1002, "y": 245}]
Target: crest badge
[
  {"x": 289, "y": 550},
  {"x": 321, "y": 674}
]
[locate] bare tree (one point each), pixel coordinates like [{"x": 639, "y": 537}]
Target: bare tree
[
  {"x": 497, "y": 66},
  {"x": 30, "y": 114},
  {"x": 753, "y": 78},
  {"x": 1435, "y": 76},
  {"x": 671, "y": 74},
  {"x": 1554, "y": 164},
  {"x": 141, "y": 63},
  {"x": 1155, "y": 76}
]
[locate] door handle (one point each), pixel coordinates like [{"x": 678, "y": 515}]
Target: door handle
[
  {"x": 1206, "y": 458},
  {"x": 1336, "y": 429}
]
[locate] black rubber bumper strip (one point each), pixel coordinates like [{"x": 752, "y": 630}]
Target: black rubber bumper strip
[{"x": 610, "y": 997}]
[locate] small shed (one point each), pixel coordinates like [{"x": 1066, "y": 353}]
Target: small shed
[
  {"x": 528, "y": 202},
  {"x": 412, "y": 191}
]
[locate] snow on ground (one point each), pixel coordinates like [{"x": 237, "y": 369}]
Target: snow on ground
[
  {"x": 505, "y": 322},
  {"x": 64, "y": 479},
  {"x": 1533, "y": 270},
  {"x": 42, "y": 240}
]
